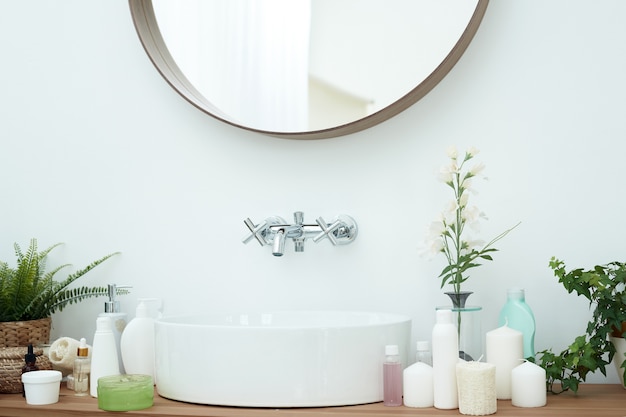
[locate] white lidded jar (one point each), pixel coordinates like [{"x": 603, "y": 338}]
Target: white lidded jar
[
  {"x": 104, "y": 361},
  {"x": 41, "y": 387},
  {"x": 418, "y": 379},
  {"x": 137, "y": 342},
  {"x": 445, "y": 357}
]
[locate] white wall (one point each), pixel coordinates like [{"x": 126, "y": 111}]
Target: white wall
[{"x": 98, "y": 152}]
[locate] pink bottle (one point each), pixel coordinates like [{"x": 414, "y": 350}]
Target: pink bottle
[{"x": 392, "y": 377}]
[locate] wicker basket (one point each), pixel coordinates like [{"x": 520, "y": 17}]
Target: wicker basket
[
  {"x": 11, "y": 363},
  {"x": 23, "y": 333}
]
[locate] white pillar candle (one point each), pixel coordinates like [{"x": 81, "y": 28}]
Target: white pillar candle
[
  {"x": 477, "y": 388},
  {"x": 418, "y": 385},
  {"x": 505, "y": 349},
  {"x": 528, "y": 385}
]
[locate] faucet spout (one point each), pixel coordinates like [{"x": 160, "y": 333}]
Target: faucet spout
[
  {"x": 275, "y": 231},
  {"x": 278, "y": 246}
]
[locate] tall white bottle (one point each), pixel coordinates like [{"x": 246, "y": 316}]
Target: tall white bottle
[
  {"x": 104, "y": 361},
  {"x": 445, "y": 357},
  {"x": 137, "y": 343},
  {"x": 113, "y": 311}
]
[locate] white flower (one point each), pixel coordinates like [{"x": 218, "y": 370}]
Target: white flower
[
  {"x": 452, "y": 152},
  {"x": 446, "y": 172},
  {"x": 433, "y": 248},
  {"x": 449, "y": 213},
  {"x": 468, "y": 185},
  {"x": 471, "y": 214},
  {"x": 477, "y": 169},
  {"x": 436, "y": 229},
  {"x": 472, "y": 152},
  {"x": 433, "y": 243}
]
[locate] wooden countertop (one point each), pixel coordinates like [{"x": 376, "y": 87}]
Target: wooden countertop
[{"x": 600, "y": 400}]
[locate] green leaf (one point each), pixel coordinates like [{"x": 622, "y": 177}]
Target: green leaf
[{"x": 30, "y": 292}]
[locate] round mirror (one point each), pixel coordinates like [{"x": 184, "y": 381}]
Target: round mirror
[{"x": 308, "y": 68}]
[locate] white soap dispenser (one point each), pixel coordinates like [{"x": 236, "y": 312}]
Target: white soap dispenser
[
  {"x": 118, "y": 319},
  {"x": 137, "y": 342}
]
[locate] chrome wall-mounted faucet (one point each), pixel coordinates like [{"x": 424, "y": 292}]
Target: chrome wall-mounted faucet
[{"x": 275, "y": 231}]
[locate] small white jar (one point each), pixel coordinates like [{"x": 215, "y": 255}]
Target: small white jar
[{"x": 42, "y": 387}]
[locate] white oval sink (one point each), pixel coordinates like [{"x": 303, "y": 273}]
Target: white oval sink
[{"x": 277, "y": 359}]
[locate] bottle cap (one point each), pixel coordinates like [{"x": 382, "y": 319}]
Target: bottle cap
[
  {"x": 82, "y": 350},
  {"x": 142, "y": 310},
  {"x": 391, "y": 350},
  {"x": 30, "y": 355},
  {"x": 516, "y": 293},
  {"x": 444, "y": 317},
  {"x": 154, "y": 307},
  {"x": 423, "y": 345}
]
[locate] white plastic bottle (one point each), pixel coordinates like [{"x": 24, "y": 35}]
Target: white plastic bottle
[
  {"x": 445, "y": 357},
  {"x": 104, "y": 361},
  {"x": 392, "y": 377},
  {"x": 118, "y": 319},
  {"x": 137, "y": 343},
  {"x": 517, "y": 315},
  {"x": 418, "y": 379}
]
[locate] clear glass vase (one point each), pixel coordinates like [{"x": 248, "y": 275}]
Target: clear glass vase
[{"x": 468, "y": 321}]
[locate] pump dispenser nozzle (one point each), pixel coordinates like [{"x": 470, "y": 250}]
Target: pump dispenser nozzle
[{"x": 113, "y": 306}]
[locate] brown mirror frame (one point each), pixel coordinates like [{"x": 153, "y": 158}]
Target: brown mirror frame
[{"x": 147, "y": 28}]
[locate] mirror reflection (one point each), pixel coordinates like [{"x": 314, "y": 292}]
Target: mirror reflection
[{"x": 308, "y": 65}]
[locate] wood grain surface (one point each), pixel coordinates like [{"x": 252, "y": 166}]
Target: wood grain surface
[{"x": 599, "y": 400}]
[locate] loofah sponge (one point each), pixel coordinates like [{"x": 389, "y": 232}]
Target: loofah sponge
[{"x": 62, "y": 354}]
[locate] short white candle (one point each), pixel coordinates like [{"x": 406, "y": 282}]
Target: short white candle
[
  {"x": 528, "y": 385},
  {"x": 418, "y": 386},
  {"x": 505, "y": 349},
  {"x": 477, "y": 388}
]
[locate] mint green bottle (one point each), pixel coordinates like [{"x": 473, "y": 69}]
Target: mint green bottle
[{"x": 517, "y": 315}]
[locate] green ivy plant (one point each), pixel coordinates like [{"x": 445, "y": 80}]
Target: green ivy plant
[
  {"x": 605, "y": 288},
  {"x": 29, "y": 292}
]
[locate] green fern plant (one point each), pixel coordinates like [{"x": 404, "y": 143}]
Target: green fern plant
[{"x": 29, "y": 292}]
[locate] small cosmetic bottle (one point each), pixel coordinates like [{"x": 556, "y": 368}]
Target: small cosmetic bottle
[
  {"x": 30, "y": 363},
  {"x": 392, "y": 377},
  {"x": 82, "y": 368}
]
